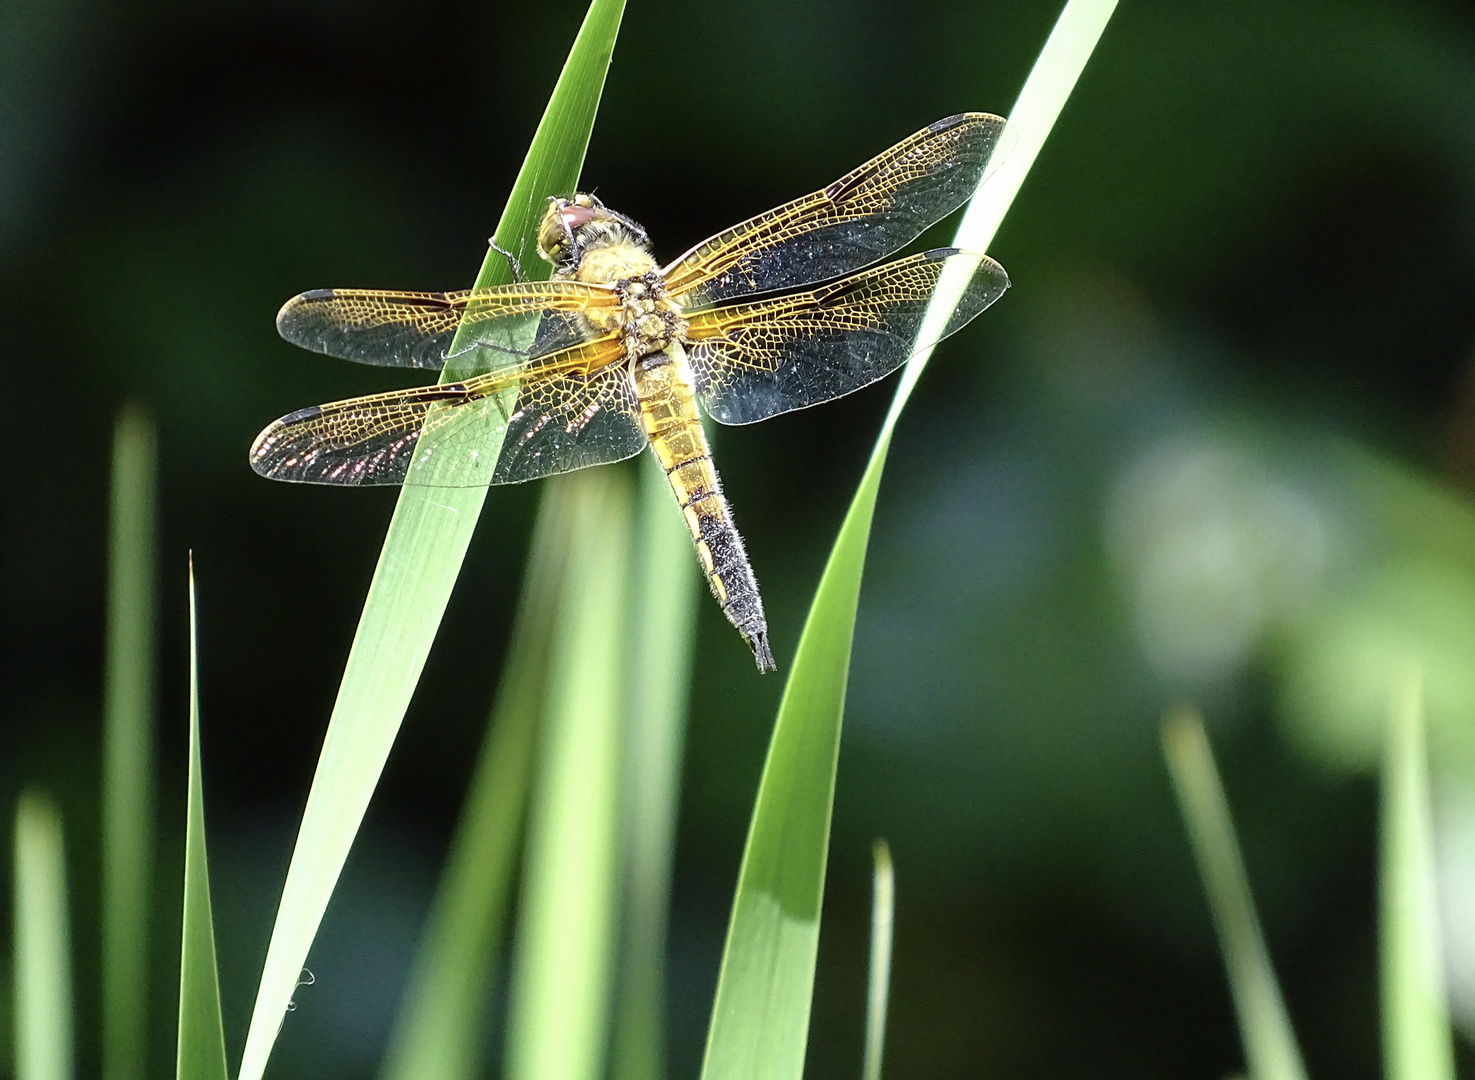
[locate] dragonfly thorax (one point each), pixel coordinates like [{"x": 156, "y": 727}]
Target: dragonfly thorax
[{"x": 650, "y": 320}]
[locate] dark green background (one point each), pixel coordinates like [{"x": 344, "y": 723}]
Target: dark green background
[{"x": 1223, "y": 420}]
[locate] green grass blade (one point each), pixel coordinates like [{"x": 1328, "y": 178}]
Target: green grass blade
[
  {"x": 1416, "y": 1037},
  {"x": 1269, "y": 1042},
  {"x": 127, "y": 752},
  {"x": 43, "y": 954},
  {"x": 666, "y": 595},
  {"x": 883, "y": 920},
  {"x": 760, "y": 1019},
  {"x": 565, "y": 940},
  {"x": 201, "y": 1048},
  {"x": 440, "y": 1033},
  {"x": 417, "y": 569}
]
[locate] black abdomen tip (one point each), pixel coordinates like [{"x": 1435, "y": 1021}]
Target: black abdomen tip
[{"x": 758, "y": 640}]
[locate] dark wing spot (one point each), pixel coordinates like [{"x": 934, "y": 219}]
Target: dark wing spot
[{"x": 312, "y": 412}]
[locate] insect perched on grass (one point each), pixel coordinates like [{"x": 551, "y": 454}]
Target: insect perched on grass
[{"x": 615, "y": 352}]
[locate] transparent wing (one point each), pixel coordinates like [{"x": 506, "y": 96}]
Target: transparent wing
[
  {"x": 570, "y": 421},
  {"x": 864, "y": 216},
  {"x": 756, "y": 360},
  {"x": 411, "y": 329},
  {"x": 553, "y": 414}
]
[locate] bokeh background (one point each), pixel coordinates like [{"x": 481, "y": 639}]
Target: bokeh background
[{"x": 1216, "y": 444}]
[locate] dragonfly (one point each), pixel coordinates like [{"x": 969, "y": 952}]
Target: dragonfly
[{"x": 615, "y": 352}]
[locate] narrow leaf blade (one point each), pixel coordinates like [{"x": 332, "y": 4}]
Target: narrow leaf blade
[
  {"x": 201, "y": 1049},
  {"x": 760, "y": 1019},
  {"x": 418, "y": 566},
  {"x": 1270, "y": 1044}
]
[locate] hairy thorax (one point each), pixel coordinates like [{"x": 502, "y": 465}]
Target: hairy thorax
[
  {"x": 648, "y": 319},
  {"x": 586, "y": 241}
]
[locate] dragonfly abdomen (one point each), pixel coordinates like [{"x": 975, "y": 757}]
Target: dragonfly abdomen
[{"x": 668, "y": 412}]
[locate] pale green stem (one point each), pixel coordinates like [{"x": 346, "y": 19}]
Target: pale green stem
[
  {"x": 1270, "y": 1044},
  {"x": 43, "y": 954},
  {"x": 883, "y": 918}
]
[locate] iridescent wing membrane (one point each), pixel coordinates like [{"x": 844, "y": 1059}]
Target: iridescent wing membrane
[{"x": 560, "y": 393}]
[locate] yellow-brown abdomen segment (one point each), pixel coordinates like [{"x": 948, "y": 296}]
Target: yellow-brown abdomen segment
[{"x": 668, "y": 411}]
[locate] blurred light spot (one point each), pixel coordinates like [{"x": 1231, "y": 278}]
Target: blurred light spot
[
  {"x": 1343, "y": 663},
  {"x": 1215, "y": 548}
]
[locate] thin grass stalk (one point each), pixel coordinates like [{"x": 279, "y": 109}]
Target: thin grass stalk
[
  {"x": 127, "y": 750},
  {"x": 418, "y": 566},
  {"x": 760, "y": 1018},
  {"x": 1416, "y": 1036},
  {"x": 440, "y": 1033},
  {"x": 883, "y": 922},
  {"x": 200, "y": 1049},
  {"x": 1269, "y": 1041},
  {"x": 562, "y": 970},
  {"x": 43, "y": 951}
]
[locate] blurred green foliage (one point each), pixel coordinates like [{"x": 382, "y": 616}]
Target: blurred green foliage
[
  {"x": 1215, "y": 442},
  {"x": 127, "y": 818}
]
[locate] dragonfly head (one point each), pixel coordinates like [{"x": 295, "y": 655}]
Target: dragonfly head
[{"x": 572, "y": 226}]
